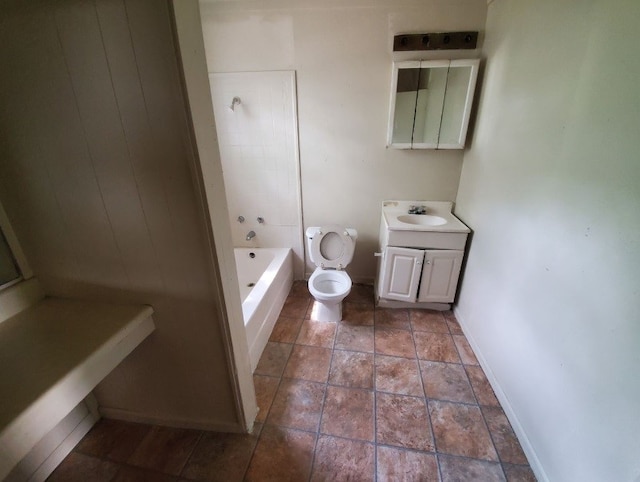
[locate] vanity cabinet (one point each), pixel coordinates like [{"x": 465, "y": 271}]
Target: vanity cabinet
[
  {"x": 420, "y": 262},
  {"x": 428, "y": 276},
  {"x": 431, "y": 103}
]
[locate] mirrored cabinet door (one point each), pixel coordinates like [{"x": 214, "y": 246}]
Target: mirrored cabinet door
[
  {"x": 461, "y": 81},
  {"x": 406, "y": 93},
  {"x": 428, "y": 110},
  {"x": 431, "y": 103}
]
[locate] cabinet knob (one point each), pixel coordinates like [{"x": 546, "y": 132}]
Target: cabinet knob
[{"x": 379, "y": 255}]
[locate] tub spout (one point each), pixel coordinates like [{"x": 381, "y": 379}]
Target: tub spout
[{"x": 251, "y": 234}]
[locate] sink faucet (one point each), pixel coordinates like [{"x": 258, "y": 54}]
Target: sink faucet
[
  {"x": 417, "y": 209},
  {"x": 251, "y": 234}
]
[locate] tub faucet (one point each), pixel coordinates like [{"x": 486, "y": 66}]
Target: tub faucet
[{"x": 251, "y": 234}]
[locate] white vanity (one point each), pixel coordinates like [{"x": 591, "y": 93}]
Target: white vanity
[{"x": 420, "y": 255}]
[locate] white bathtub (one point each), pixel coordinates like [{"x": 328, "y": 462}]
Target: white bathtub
[{"x": 265, "y": 276}]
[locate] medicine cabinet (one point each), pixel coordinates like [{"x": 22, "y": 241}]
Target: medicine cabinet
[{"x": 431, "y": 103}]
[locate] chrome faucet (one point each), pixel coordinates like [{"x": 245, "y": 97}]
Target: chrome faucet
[
  {"x": 251, "y": 234},
  {"x": 417, "y": 209}
]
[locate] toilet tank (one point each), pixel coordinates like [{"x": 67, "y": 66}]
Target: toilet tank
[{"x": 312, "y": 230}]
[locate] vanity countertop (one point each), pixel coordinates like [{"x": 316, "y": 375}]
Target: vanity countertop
[{"x": 437, "y": 217}]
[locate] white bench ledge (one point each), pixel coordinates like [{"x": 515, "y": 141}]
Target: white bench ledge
[{"x": 52, "y": 355}]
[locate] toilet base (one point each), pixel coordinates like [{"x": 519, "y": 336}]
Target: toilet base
[{"x": 326, "y": 312}]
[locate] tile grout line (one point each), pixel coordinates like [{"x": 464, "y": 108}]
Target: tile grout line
[
  {"x": 122, "y": 465},
  {"x": 374, "y": 411},
  {"x": 266, "y": 417},
  {"x": 464, "y": 365},
  {"x": 324, "y": 399},
  {"x": 426, "y": 401},
  {"x": 186, "y": 462},
  {"x": 369, "y": 442},
  {"x": 375, "y": 400},
  {"x": 319, "y": 432},
  {"x": 126, "y": 464},
  {"x": 500, "y": 461}
]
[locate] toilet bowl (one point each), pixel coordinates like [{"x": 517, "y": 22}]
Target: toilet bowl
[
  {"x": 331, "y": 250},
  {"x": 328, "y": 288}
]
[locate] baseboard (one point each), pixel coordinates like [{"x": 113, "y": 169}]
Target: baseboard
[
  {"x": 360, "y": 280},
  {"x": 64, "y": 449},
  {"x": 43, "y": 459},
  {"x": 528, "y": 449},
  {"x": 385, "y": 303},
  {"x": 135, "y": 417}
]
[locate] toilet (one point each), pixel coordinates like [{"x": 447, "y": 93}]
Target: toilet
[{"x": 331, "y": 249}]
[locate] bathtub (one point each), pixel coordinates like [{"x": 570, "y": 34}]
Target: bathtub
[{"x": 265, "y": 276}]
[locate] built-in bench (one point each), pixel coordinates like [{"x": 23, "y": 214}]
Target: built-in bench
[{"x": 52, "y": 355}]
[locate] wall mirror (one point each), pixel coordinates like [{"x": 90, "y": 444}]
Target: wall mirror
[{"x": 431, "y": 103}]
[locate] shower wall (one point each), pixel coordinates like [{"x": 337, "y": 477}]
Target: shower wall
[{"x": 258, "y": 143}]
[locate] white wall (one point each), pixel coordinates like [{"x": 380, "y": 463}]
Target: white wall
[
  {"x": 96, "y": 179},
  {"x": 550, "y": 187},
  {"x": 342, "y": 56}
]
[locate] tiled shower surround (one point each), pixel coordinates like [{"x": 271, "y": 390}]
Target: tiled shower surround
[
  {"x": 386, "y": 395},
  {"x": 258, "y": 147}
]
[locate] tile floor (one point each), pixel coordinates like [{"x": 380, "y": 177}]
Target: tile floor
[{"x": 386, "y": 395}]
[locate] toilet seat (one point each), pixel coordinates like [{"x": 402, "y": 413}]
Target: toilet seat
[
  {"x": 330, "y": 286},
  {"x": 325, "y": 247}
]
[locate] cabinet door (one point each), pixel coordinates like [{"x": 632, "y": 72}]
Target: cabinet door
[
  {"x": 429, "y": 104},
  {"x": 440, "y": 275},
  {"x": 456, "y": 109},
  {"x": 403, "y": 103},
  {"x": 400, "y": 274}
]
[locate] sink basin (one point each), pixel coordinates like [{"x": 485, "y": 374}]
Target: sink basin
[
  {"x": 422, "y": 219},
  {"x": 440, "y": 219}
]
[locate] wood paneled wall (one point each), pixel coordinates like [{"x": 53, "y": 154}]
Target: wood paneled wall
[{"x": 95, "y": 176}]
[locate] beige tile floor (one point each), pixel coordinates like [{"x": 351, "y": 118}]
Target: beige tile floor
[{"x": 386, "y": 395}]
